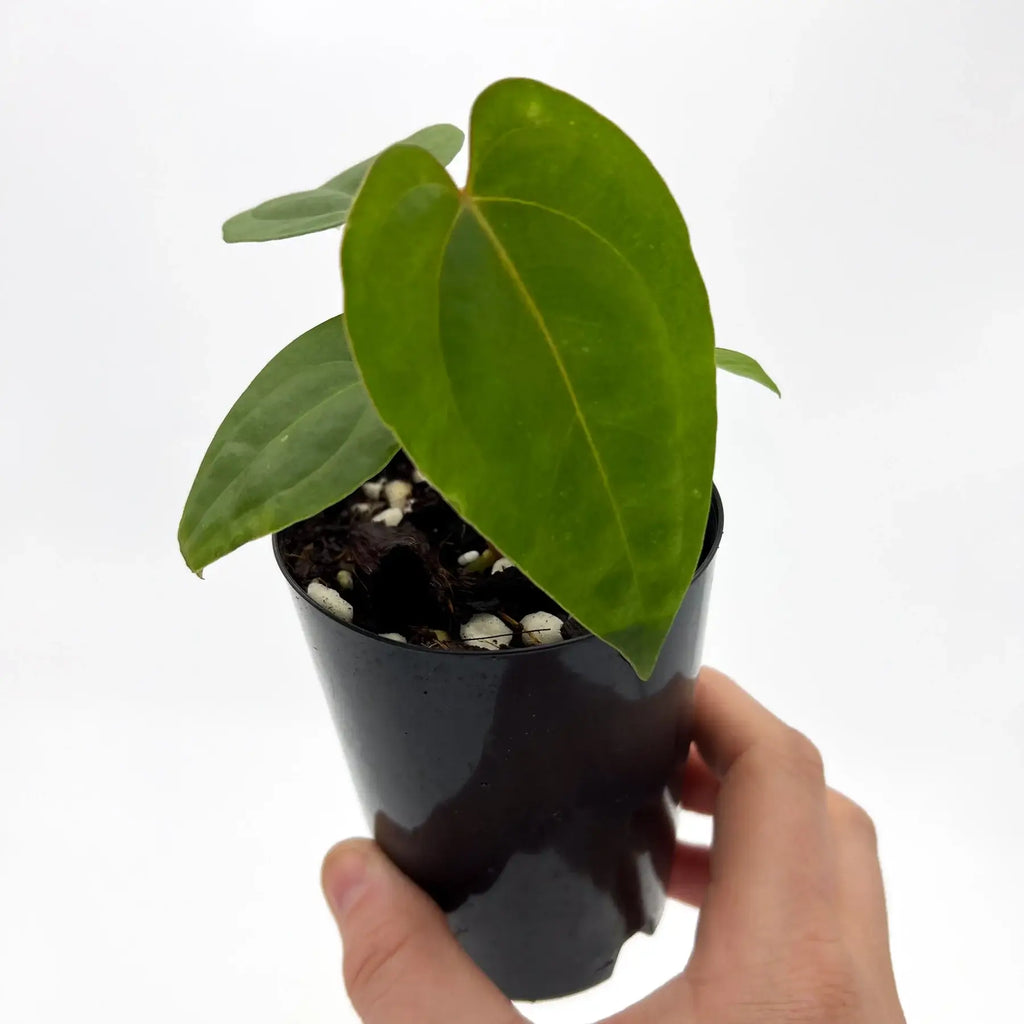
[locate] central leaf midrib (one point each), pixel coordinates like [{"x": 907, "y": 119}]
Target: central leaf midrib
[{"x": 533, "y": 309}]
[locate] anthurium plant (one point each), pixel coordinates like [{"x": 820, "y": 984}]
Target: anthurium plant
[{"x": 538, "y": 341}]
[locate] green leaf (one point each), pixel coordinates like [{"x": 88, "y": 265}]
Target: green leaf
[
  {"x": 302, "y": 436},
  {"x": 542, "y": 346},
  {"x": 744, "y": 366},
  {"x": 301, "y": 213}
]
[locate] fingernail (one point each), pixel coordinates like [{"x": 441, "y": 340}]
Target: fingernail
[{"x": 345, "y": 878}]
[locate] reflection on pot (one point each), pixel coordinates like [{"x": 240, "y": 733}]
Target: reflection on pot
[
  {"x": 526, "y": 791},
  {"x": 565, "y": 822}
]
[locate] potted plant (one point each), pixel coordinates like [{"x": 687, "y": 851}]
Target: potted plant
[{"x": 490, "y": 488}]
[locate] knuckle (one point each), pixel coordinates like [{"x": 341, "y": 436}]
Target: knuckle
[
  {"x": 827, "y": 991},
  {"x": 372, "y": 964},
  {"x": 834, "y": 1000},
  {"x": 802, "y": 753},
  {"x": 854, "y": 820},
  {"x": 832, "y": 1003},
  {"x": 808, "y": 981}
]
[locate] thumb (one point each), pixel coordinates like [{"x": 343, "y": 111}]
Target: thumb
[{"x": 401, "y": 963}]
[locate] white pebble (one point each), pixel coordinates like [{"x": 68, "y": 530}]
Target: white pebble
[
  {"x": 345, "y": 579},
  {"x": 389, "y": 517},
  {"x": 418, "y": 477},
  {"x": 330, "y": 600},
  {"x": 541, "y": 628},
  {"x": 372, "y": 489},
  {"x": 486, "y": 631},
  {"x": 468, "y": 556},
  {"x": 501, "y": 565},
  {"x": 397, "y": 492},
  {"x": 394, "y": 636},
  {"x": 360, "y": 508}
]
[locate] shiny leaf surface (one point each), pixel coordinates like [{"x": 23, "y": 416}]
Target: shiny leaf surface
[
  {"x": 541, "y": 344},
  {"x": 302, "y": 436},
  {"x": 327, "y": 206}
]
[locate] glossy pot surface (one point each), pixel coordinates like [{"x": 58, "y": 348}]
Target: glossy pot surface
[{"x": 527, "y": 791}]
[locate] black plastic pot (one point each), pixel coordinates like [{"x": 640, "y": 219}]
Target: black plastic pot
[{"x": 527, "y": 791}]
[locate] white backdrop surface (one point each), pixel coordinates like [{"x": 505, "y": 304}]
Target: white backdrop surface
[{"x": 851, "y": 174}]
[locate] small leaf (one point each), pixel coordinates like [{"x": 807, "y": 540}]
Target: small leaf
[
  {"x": 301, "y": 213},
  {"x": 302, "y": 436},
  {"x": 744, "y": 366},
  {"x": 541, "y": 344}
]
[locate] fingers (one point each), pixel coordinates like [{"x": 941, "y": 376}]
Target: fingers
[
  {"x": 401, "y": 963},
  {"x": 688, "y": 881},
  {"x": 861, "y": 894},
  {"x": 793, "y": 902},
  {"x": 698, "y": 786},
  {"x": 772, "y": 867}
]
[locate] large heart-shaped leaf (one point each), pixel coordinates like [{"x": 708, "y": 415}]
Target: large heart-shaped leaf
[
  {"x": 301, "y": 213},
  {"x": 302, "y": 436},
  {"x": 744, "y": 366},
  {"x": 541, "y": 344}
]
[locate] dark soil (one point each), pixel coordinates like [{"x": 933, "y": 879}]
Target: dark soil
[{"x": 407, "y": 577}]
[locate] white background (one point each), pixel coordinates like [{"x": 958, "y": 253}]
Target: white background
[{"x": 851, "y": 173}]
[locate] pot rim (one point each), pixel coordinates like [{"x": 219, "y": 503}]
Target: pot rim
[{"x": 716, "y": 516}]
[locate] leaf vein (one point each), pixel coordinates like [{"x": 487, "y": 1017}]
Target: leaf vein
[{"x": 535, "y": 312}]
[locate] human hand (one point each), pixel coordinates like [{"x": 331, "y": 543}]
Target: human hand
[{"x": 792, "y": 926}]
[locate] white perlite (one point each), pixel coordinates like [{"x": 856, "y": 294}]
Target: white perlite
[
  {"x": 486, "y": 631},
  {"x": 468, "y": 556},
  {"x": 372, "y": 489},
  {"x": 361, "y": 508},
  {"x": 418, "y": 477},
  {"x": 394, "y": 636},
  {"x": 541, "y": 628},
  {"x": 501, "y": 565},
  {"x": 345, "y": 579},
  {"x": 389, "y": 517},
  {"x": 330, "y": 600},
  {"x": 397, "y": 493}
]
